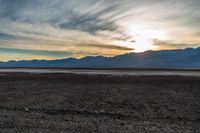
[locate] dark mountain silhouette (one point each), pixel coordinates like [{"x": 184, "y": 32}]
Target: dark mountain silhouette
[{"x": 181, "y": 58}]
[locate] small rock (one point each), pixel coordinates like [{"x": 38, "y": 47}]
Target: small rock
[{"x": 26, "y": 109}]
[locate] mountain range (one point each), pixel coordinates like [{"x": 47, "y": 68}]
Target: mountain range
[{"x": 180, "y": 58}]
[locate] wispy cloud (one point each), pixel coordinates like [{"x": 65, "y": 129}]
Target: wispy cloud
[
  {"x": 36, "y": 52},
  {"x": 97, "y": 27},
  {"x": 170, "y": 45},
  {"x": 5, "y": 36}
]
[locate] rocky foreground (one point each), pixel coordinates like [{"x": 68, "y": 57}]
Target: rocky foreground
[{"x": 56, "y": 103}]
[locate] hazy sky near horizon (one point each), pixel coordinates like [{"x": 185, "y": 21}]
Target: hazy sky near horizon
[{"x": 53, "y": 29}]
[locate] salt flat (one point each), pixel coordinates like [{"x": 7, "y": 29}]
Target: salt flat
[{"x": 122, "y": 72}]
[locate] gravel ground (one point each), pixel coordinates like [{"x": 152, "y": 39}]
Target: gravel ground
[{"x": 68, "y": 103}]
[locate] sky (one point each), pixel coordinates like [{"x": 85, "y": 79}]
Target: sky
[{"x": 56, "y": 29}]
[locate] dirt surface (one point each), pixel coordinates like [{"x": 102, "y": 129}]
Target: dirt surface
[{"x": 67, "y": 103}]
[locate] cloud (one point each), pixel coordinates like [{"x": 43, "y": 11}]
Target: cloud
[
  {"x": 97, "y": 27},
  {"x": 7, "y": 54},
  {"x": 170, "y": 45},
  {"x": 37, "y": 52},
  {"x": 11, "y": 9},
  {"x": 104, "y": 46},
  {"x": 90, "y": 24},
  {"x": 10, "y": 37},
  {"x": 4, "y": 36}
]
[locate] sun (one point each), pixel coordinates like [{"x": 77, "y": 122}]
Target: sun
[
  {"x": 142, "y": 46},
  {"x": 143, "y": 37}
]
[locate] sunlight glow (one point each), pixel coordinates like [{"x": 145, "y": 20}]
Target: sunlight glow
[{"x": 143, "y": 36}]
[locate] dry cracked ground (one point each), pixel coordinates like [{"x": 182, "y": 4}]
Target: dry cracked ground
[{"x": 67, "y": 103}]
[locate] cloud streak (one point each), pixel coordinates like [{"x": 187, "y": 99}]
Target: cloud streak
[
  {"x": 105, "y": 27},
  {"x": 36, "y": 52}
]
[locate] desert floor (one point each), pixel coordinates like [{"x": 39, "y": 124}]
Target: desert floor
[{"x": 69, "y": 103}]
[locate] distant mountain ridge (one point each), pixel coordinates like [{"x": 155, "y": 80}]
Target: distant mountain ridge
[{"x": 181, "y": 58}]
